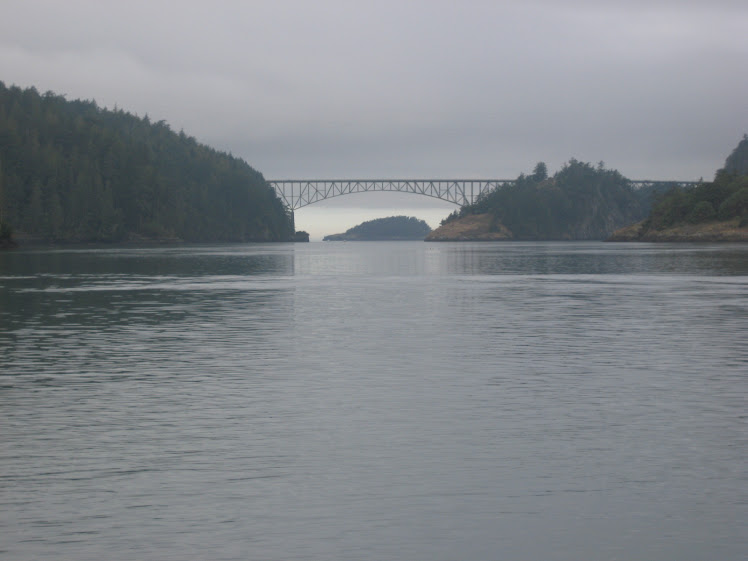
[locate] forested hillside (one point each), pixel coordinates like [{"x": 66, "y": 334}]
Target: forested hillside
[
  {"x": 714, "y": 211},
  {"x": 71, "y": 171},
  {"x": 723, "y": 199},
  {"x": 580, "y": 202}
]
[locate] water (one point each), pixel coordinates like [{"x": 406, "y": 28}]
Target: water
[{"x": 404, "y": 401}]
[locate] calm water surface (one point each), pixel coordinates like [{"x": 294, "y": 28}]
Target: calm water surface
[{"x": 403, "y": 401}]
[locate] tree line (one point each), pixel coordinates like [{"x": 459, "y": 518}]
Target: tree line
[
  {"x": 723, "y": 199},
  {"x": 71, "y": 171}
]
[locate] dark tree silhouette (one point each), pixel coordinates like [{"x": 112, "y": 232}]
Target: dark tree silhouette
[{"x": 71, "y": 171}]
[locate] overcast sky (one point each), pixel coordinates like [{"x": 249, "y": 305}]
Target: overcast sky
[{"x": 338, "y": 89}]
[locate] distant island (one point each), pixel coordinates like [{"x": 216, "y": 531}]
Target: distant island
[
  {"x": 71, "y": 171},
  {"x": 393, "y": 228},
  {"x": 710, "y": 212},
  {"x": 579, "y": 202}
]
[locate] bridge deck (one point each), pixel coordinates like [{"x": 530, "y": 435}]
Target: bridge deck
[{"x": 298, "y": 193}]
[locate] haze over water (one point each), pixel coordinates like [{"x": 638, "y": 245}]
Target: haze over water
[{"x": 353, "y": 401}]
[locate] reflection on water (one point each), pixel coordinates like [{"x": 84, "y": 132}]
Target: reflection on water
[
  {"x": 374, "y": 401},
  {"x": 537, "y": 258}
]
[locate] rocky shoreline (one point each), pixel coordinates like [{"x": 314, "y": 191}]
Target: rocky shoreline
[
  {"x": 725, "y": 231},
  {"x": 477, "y": 228},
  {"x": 472, "y": 228}
]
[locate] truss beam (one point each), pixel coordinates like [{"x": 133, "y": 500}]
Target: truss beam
[{"x": 298, "y": 193}]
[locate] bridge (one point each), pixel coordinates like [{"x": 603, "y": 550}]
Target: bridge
[{"x": 298, "y": 193}]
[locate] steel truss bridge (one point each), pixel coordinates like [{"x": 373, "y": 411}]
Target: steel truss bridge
[{"x": 298, "y": 193}]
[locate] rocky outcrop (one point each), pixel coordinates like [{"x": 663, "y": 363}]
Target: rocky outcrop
[
  {"x": 726, "y": 231},
  {"x": 474, "y": 227},
  {"x": 477, "y": 227}
]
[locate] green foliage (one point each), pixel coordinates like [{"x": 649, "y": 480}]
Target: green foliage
[
  {"x": 451, "y": 218},
  {"x": 540, "y": 173},
  {"x": 71, "y": 171},
  {"x": 578, "y": 202},
  {"x": 669, "y": 209},
  {"x": 650, "y": 194},
  {"x": 737, "y": 161},
  {"x": 736, "y": 204},
  {"x": 725, "y": 198},
  {"x": 391, "y": 228},
  {"x": 703, "y": 211}
]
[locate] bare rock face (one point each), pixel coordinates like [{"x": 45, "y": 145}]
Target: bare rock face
[
  {"x": 475, "y": 227},
  {"x": 628, "y": 234}
]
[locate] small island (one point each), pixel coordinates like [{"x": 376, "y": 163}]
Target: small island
[{"x": 393, "y": 228}]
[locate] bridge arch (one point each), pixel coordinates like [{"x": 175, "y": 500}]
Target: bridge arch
[{"x": 298, "y": 193}]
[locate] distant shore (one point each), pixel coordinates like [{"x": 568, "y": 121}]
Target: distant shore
[
  {"x": 477, "y": 227},
  {"x": 725, "y": 231}
]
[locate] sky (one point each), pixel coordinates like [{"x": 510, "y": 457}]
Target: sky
[{"x": 657, "y": 89}]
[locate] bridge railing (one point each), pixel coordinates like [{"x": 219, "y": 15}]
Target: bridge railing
[{"x": 298, "y": 193}]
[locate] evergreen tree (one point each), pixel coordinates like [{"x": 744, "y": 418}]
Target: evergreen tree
[
  {"x": 725, "y": 198},
  {"x": 579, "y": 202},
  {"x": 72, "y": 171}
]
